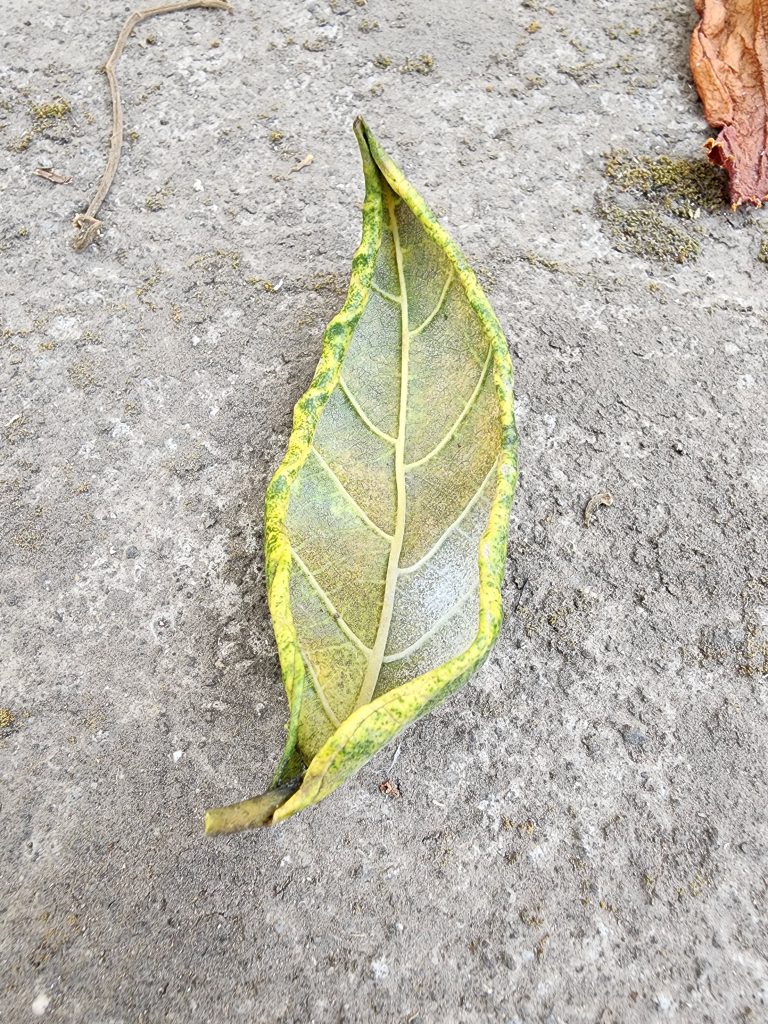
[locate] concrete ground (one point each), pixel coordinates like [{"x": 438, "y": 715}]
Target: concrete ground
[{"x": 581, "y": 835}]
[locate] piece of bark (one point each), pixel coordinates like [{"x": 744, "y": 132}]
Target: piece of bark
[{"x": 729, "y": 61}]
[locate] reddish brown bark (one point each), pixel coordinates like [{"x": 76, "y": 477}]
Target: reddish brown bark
[{"x": 729, "y": 61}]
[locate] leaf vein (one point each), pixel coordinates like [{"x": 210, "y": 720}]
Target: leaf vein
[
  {"x": 470, "y": 404},
  {"x": 385, "y": 294},
  {"x": 404, "y": 570},
  {"x": 363, "y": 515},
  {"x": 321, "y": 695},
  {"x": 396, "y": 547},
  {"x": 440, "y": 302},
  {"x": 330, "y": 606},
  {"x": 361, "y": 413}
]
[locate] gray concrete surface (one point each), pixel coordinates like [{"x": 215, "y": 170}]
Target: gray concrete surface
[{"x": 582, "y": 834}]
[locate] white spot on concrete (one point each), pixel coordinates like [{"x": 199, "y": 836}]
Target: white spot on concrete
[
  {"x": 163, "y": 621},
  {"x": 380, "y": 969},
  {"x": 177, "y": 756},
  {"x": 120, "y": 429},
  {"x": 664, "y": 1003},
  {"x": 40, "y": 1004}
]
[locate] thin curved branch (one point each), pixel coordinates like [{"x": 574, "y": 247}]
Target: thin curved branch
[{"x": 87, "y": 224}]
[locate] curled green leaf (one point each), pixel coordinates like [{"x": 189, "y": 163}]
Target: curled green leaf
[{"x": 386, "y": 522}]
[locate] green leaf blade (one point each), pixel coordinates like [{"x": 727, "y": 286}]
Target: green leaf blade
[{"x": 386, "y": 523}]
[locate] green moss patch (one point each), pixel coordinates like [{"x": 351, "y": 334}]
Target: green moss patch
[
  {"x": 680, "y": 186},
  {"x": 53, "y": 111},
  {"x": 642, "y": 232}
]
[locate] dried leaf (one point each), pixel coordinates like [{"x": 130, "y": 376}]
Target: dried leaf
[
  {"x": 53, "y": 176},
  {"x": 729, "y": 61},
  {"x": 386, "y": 523}
]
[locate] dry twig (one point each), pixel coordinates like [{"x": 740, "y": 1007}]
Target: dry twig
[{"x": 87, "y": 224}]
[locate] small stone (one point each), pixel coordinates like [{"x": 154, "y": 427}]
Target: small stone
[{"x": 40, "y": 1004}]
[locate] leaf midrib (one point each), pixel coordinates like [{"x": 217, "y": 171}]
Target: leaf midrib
[{"x": 376, "y": 657}]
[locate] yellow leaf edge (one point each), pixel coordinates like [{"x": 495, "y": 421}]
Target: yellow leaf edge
[{"x": 369, "y": 727}]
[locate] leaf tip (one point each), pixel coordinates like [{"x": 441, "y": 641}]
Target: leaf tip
[{"x": 360, "y": 128}]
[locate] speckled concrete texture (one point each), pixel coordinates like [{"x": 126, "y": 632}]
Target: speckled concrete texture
[{"x": 581, "y": 834}]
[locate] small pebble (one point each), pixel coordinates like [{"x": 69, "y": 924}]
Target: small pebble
[{"x": 40, "y": 1004}]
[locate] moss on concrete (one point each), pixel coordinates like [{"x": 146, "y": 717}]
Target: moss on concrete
[
  {"x": 642, "y": 232},
  {"x": 423, "y": 64},
  {"x": 22, "y": 143},
  {"x": 680, "y": 186},
  {"x": 44, "y": 116},
  {"x": 57, "y": 109},
  {"x": 542, "y": 261}
]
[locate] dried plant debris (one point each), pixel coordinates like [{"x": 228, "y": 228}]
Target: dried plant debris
[
  {"x": 386, "y": 523},
  {"x": 390, "y": 789},
  {"x": 729, "y": 61},
  {"x": 603, "y": 498},
  {"x": 303, "y": 163},
  {"x": 87, "y": 225},
  {"x": 54, "y": 177}
]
